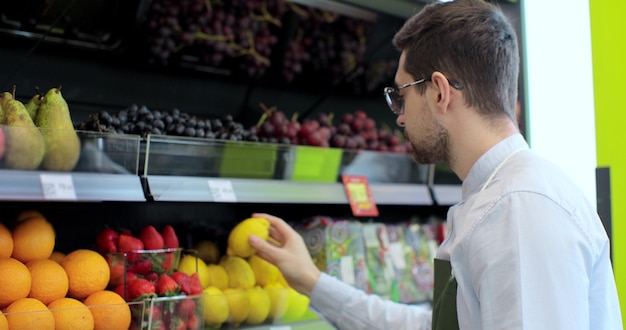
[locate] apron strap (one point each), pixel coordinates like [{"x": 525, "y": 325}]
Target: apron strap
[{"x": 444, "y": 297}]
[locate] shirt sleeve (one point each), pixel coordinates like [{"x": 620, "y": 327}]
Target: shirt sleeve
[
  {"x": 346, "y": 307},
  {"x": 528, "y": 264}
]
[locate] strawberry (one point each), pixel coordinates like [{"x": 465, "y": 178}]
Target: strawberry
[
  {"x": 141, "y": 267},
  {"x": 121, "y": 290},
  {"x": 129, "y": 244},
  {"x": 151, "y": 238},
  {"x": 193, "y": 323},
  {"x": 116, "y": 270},
  {"x": 185, "y": 308},
  {"x": 195, "y": 286},
  {"x": 169, "y": 237},
  {"x": 178, "y": 324},
  {"x": 155, "y": 316},
  {"x": 166, "y": 286},
  {"x": 152, "y": 277},
  {"x": 184, "y": 281},
  {"x": 141, "y": 289},
  {"x": 123, "y": 283},
  {"x": 168, "y": 262},
  {"x": 106, "y": 241}
]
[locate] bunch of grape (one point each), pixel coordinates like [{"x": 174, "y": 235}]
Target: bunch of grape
[
  {"x": 338, "y": 42},
  {"x": 277, "y": 128},
  {"x": 238, "y": 34},
  {"x": 357, "y": 131},
  {"x": 142, "y": 121},
  {"x": 316, "y": 132}
]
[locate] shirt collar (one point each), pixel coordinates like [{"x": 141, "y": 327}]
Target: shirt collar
[{"x": 489, "y": 161}]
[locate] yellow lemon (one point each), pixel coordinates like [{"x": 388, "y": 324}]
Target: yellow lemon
[
  {"x": 240, "y": 274},
  {"x": 215, "y": 310},
  {"x": 264, "y": 272},
  {"x": 238, "y": 305},
  {"x": 208, "y": 251},
  {"x": 190, "y": 264},
  {"x": 259, "y": 305},
  {"x": 297, "y": 306},
  {"x": 217, "y": 276},
  {"x": 278, "y": 300},
  {"x": 238, "y": 244}
]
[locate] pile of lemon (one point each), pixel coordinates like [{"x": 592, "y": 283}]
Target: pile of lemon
[
  {"x": 240, "y": 287},
  {"x": 46, "y": 289}
]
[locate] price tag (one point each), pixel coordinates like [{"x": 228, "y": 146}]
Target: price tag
[
  {"x": 57, "y": 186},
  {"x": 359, "y": 195},
  {"x": 280, "y": 327},
  {"x": 396, "y": 252},
  {"x": 222, "y": 191},
  {"x": 346, "y": 268}
]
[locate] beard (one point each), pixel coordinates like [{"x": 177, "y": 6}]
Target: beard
[{"x": 433, "y": 148}]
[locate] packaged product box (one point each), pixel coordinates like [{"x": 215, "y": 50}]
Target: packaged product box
[
  {"x": 337, "y": 248},
  {"x": 381, "y": 272},
  {"x": 421, "y": 238},
  {"x": 403, "y": 258}
]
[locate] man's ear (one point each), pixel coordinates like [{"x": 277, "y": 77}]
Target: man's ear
[{"x": 443, "y": 88}]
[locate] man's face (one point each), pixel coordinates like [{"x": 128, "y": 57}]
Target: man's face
[{"x": 430, "y": 140}]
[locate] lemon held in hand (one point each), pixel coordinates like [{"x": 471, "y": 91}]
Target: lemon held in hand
[{"x": 238, "y": 244}]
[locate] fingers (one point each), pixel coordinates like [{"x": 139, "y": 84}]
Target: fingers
[
  {"x": 281, "y": 228},
  {"x": 264, "y": 249}
]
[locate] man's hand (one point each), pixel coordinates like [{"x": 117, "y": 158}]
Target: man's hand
[{"x": 289, "y": 253}]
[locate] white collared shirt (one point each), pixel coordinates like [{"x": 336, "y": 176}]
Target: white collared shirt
[{"x": 528, "y": 251}]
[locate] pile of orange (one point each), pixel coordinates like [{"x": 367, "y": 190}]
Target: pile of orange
[{"x": 47, "y": 289}]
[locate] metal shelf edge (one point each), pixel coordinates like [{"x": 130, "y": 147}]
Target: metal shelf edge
[
  {"x": 26, "y": 186},
  {"x": 173, "y": 188}
]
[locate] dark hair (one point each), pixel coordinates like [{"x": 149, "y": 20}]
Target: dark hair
[{"x": 471, "y": 42}]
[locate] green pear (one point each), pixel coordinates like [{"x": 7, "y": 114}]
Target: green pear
[
  {"x": 25, "y": 146},
  {"x": 62, "y": 143},
  {"x": 32, "y": 106},
  {"x": 4, "y": 98}
]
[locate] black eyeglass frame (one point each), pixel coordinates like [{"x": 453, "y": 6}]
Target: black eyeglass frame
[{"x": 393, "y": 97}]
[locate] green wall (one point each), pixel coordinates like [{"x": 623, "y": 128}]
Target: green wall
[{"x": 608, "y": 28}]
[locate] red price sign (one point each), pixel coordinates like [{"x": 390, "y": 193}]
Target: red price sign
[{"x": 359, "y": 195}]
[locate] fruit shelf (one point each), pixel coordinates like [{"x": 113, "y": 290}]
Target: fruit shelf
[
  {"x": 122, "y": 167},
  {"x": 107, "y": 170},
  {"x": 190, "y": 169}
]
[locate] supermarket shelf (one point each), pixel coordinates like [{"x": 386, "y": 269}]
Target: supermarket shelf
[
  {"x": 203, "y": 189},
  {"x": 302, "y": 325},
  {"x": 70, "y": 186}
]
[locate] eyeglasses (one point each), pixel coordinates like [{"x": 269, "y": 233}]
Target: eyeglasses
[{"x": 395, "y": 101}]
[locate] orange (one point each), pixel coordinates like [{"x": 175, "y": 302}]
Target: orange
[
  {"x": 57, "y": 256},
  {"x": 29, "y": 313},
  {"x": 15, "y": 281},
  {"x": 49, "y": 280},
  {"x": 6, "y": 242},
  {"x": 71, "y": 314},
  {"x": 33, "y": 239},
  {"x": 87, "y": 271},
  {"x": 4, "y": 324},
  {"x": 109, "y": 310}
]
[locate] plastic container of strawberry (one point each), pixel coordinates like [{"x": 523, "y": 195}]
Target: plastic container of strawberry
[
  {"x": 126, "y": 267},
  {"x": 148, "y": 263},
  {"x": 170, "y": 312}
]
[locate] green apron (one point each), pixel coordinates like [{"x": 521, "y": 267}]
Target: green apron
[{"x": 444, "y": 297}]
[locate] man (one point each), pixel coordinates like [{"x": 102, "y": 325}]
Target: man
[{"x": 526, "y": 249}]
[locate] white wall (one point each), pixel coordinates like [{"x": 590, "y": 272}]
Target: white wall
[{"x": 559, "y": 86}]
